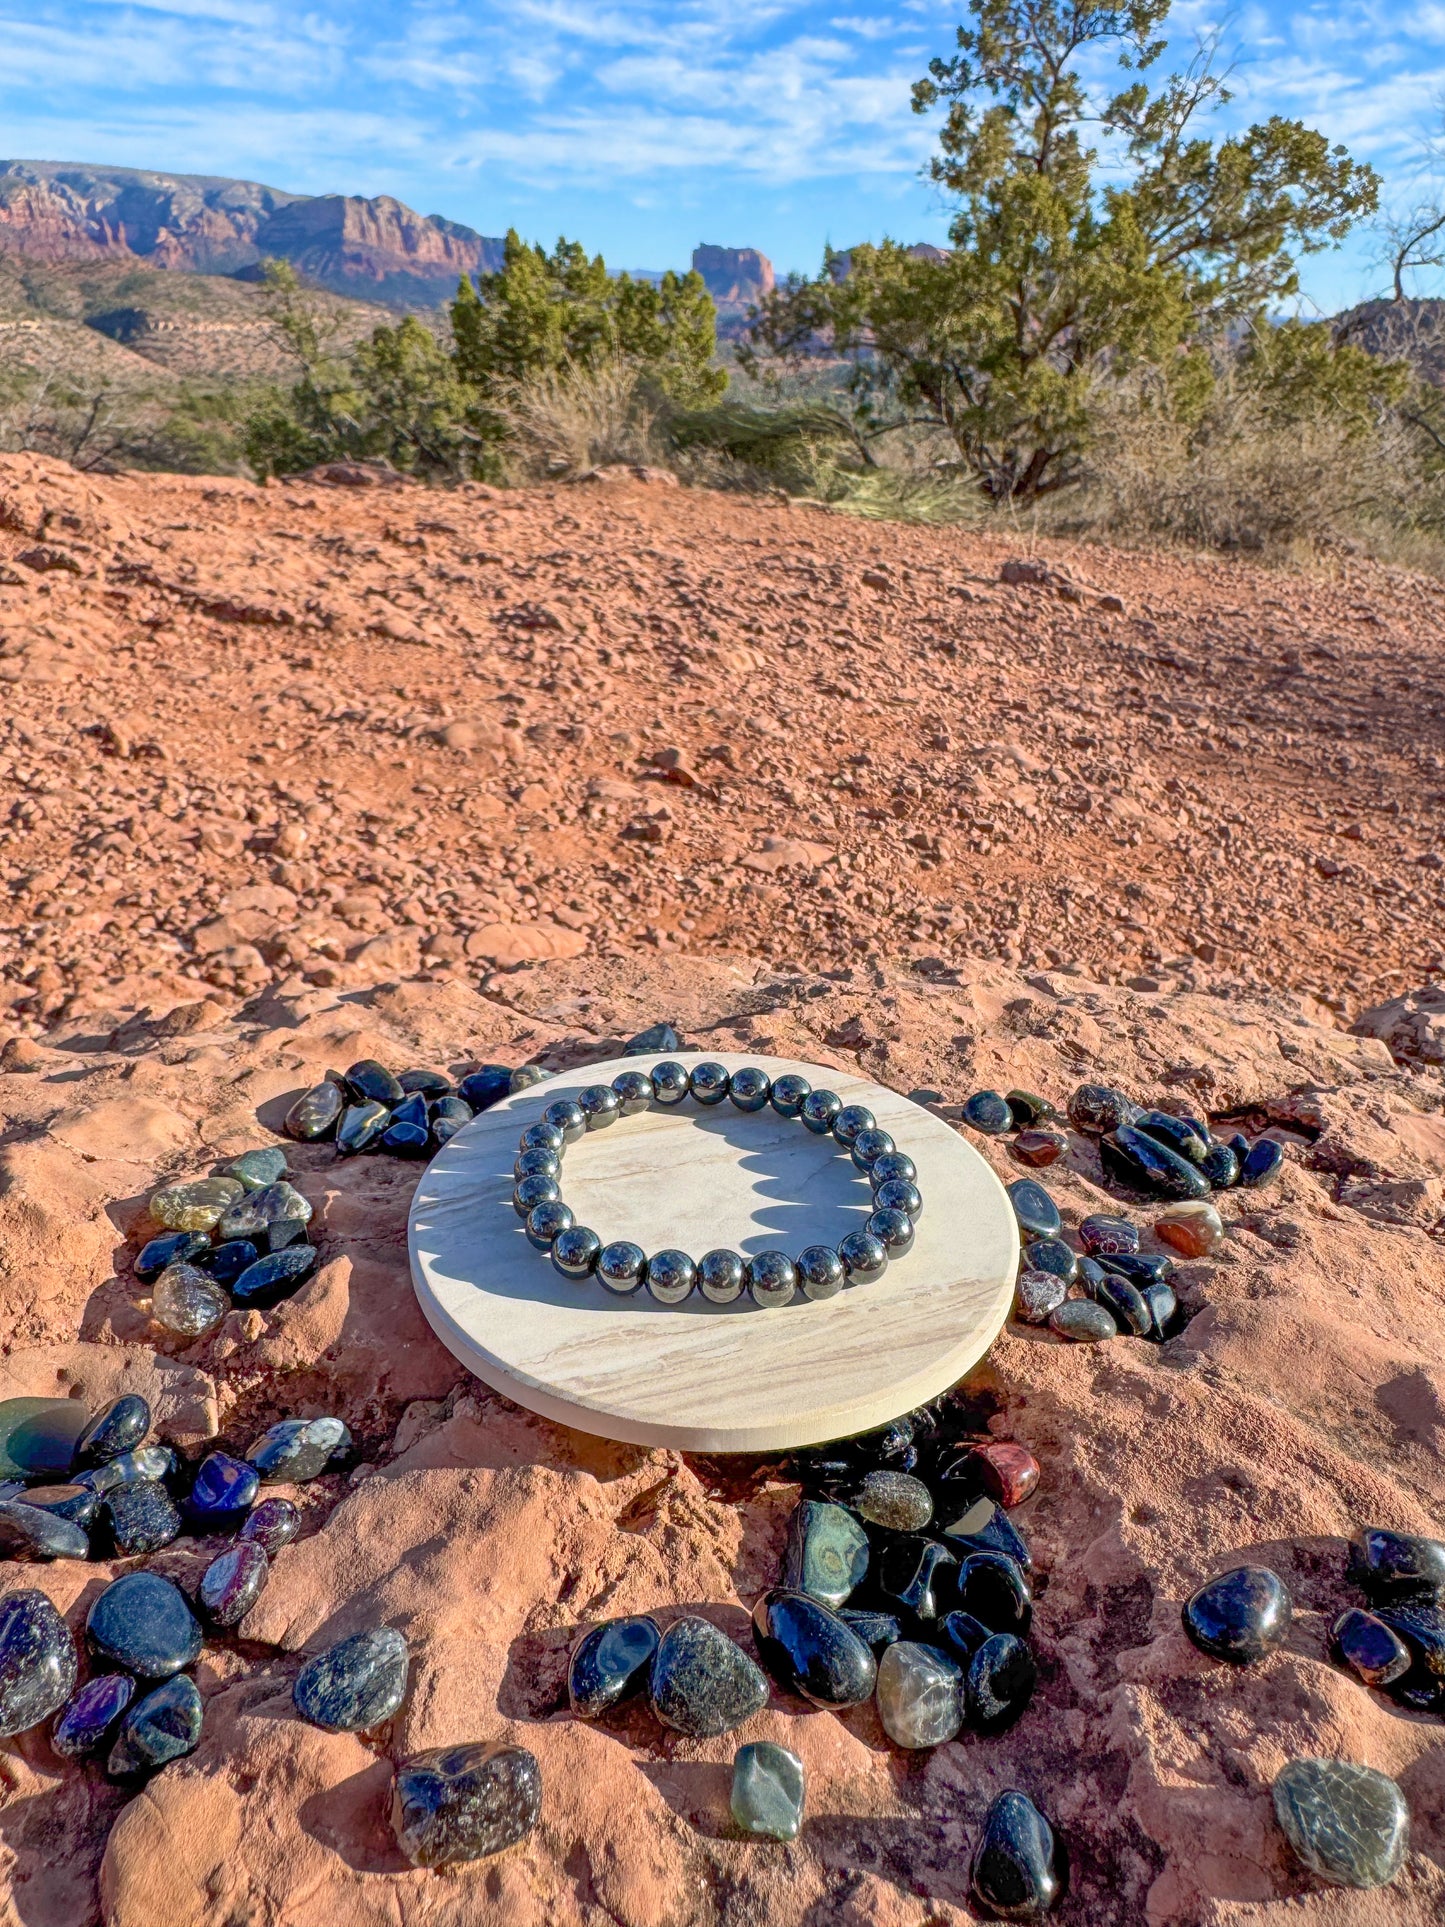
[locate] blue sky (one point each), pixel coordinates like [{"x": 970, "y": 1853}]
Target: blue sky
[{"x": 638, "y": 126}]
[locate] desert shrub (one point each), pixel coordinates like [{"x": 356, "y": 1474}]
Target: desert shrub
[{"x": 562, "y": 420}]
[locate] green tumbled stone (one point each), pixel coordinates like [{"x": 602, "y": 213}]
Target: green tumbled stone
[
  {"x": 767, "y": 1793},
  {"x": 827, "y": 1552},
  {"x": 256, "y": 1169},
  {"x": 195, "y": 1206},
  {"x": 1349, "y": 1824},
  {"x": 38, "y": 1436}
]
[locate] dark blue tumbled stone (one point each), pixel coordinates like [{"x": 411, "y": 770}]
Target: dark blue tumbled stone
[
  {"x": 1175, "y": 1133},
  {"x": 1019, "y": 1869},
  {"x": 171, "y": 1248},
  {"x": 277, "y": 1276},
  {"x": 909, "y": 1572},
  {"x": 998, "y": 1682},
  {"x": 407, "y": 1141},
  {"x": 611, "y": 1663},
  {"x": 1240, "y": 1616},
  {"x": 371, "y": 1082},
  {"x": 233, "y": 1582},
  {"x": 1239, "y": 1144},
  {"x": 164, "y": 1726},
  {"x": 361, "y": 1128},
  {"x": 1052, "y": 1254},
  {"x": 119, "y": 1427},
  {"x": 139, "y": 1516},
  {"x": 483, "y": 1087},
  {"x": 142, "y": 1623},
  {"x": 273, "y": 1524},
  {"x": 809, "y": 1650},
  {"x": 701, "y": 1683},
  {"x": 28, "y": 1533},
  {"x": 454, "y": 1804},
  {"x": 297, "y": 1449},
  {"x": 876, "y": 1630},
  {"x": 1397, "y": 1565},
  {"x": 993, "y": 1588},
  {"x": 225, "y": 1262},
  {"x": 960, "y": 1635},
  {"x": 77, "y": 1503},
  {"x": 1374, "y": 1650},
  {"x": 1262, "y": 1166},
  {"x": 223, "y": 1492},
  {"x": 657, "y": 1037},
  {"x": 1422, "y": 1627},
  {"x": 411, "y": 1110},
  {"x": 38, "y": 1665},
  {"x": 86, "y": 1721},
  {"x": 1144, "y": 1164},
  {"x": 1220, "y": 1166},
  {"x": 1037, "y": 1214},
  {"x": 1139, "y": 1270},
  {"x": 988, "y": 1112},
  {"x": 355, "y": 1684}
]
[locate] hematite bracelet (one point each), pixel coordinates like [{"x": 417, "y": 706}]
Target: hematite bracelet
[{"x": 771, "y": 1277}]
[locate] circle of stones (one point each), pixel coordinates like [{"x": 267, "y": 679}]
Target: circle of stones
[{"x": 771, "y": 1278}]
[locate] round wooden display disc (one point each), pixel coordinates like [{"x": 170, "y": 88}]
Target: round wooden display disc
[{"x": 699, "y": 1377}]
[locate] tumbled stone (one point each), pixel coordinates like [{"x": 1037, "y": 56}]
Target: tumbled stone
[
  {"x": 525, "y": 1076},
  {"x": 986, "y": 1527},
  {"x": 233, "y": 1582},
  {"x": 1036, "y": 1212},
  {"x": 431, "y": 1084},
  {"x": 187, "y": 1302},
  {"x": 225, "y": 1263},
  {"x": 360, "y": 1128},
  {"x": 998, "y": 1682},
  {"x": 876, "y": 1630},
  {"x": 919, "y": 1695},
  {"x": 1038, "y": 1148},
  {"x": 1397, "y": 1565},
  {"x": 1142, "y": 1163},
  {"x": 960, "y": 1635},
  {"x": 197, "y": 1205},
  {"x": 171, "y": 1248},
  {"x": 1371, "y": 1648},
  {"x": 1348, "y": 1823},
  {"x": 87, "y": 1721},
  {"x": 259, "y": 1168},
  {"x": 1097, "y": 1109},
  {"x": 1239, "y": 1616},
  {"x": 1037, "y": 1294},
  {"x": 657, "y": 1037},
  {"x": 274, "y": 1278},
  {"x": 908, "y": 1571},
  {"x": 38, "y": 1666},
  {"x": 222, "y": 1493},
  {"x": 1176, "y": 1133},
  {"x": 1102, "y": 1235},
  {"x": 316, "y": 1114},
  {"x": 826, "y": 1554},
  {"x": 371, "y": 1082},
  {"x": 143, "y": 1624},
  {"x": 701, "y": 1683},
  {"x": 995, "y": 1590},
  {"x": 1194, "y": 1227},
  {"x": 270, "y": 1218},
  {"x": 611, "y": 1663},
  {"x": 164, "y": 1726},
  {"x": 28, "y": 1533},
  {"x": 120, "y": 1427},
  {"x": 1220, "y": 1165},
  {"x": 406, "y": 1140},
  {"x": 1126, "y": 1305},
  {"x": 273, "y": 1524},
  {"x": 355, "y": 1684},
  {"x": 445, "y": 1118},
  {"x": 1008, "y": 1472},
  {"x": 1019, "y": 1869},
  {"x": 77, "y": 1503},
  {"x": 1263, "y": 1164},
  {"x": 1051, "y": 1254},
  {"x": 146, "y": 1462},
  {"x": 296, "y": 1449},
  {"x": 1139, "y": 1270},
  {"x": 896, "y": 1500},
  {"x": 485, "y": 1086},
  {"x": 1422, "y": 1627},
  {"x": 1163, "y": 1303},
  {"x": 1083, "y": 1322},
  {"x": 1029, "y": 1109},
  {"x": 810, "y": 1651},
  {"x": 767, "y": 1791},
  {"x": 988, "y": 1112},
  {"x": 39, "y": 1437},
  {"x": 139, "y": 1517},
  {"x": 457, "y": 1803},
  {"x": 411, "y": 1110}
]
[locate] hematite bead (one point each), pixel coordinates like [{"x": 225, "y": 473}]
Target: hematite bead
[
  {"x": 819, "y": 1109},
  {"x": 528, "y": 1193},
  {"x": 574, "y": 1252},
  {"x": 721, "y": 1275},
  {"x": 869, "y": 1146},
  {"x": 894, "y": 1167},
  {"x": 772, "y": 1279},
  {"x": 669, "y": 1082},
  {"x": 788, "y": 1094},
  {"x": 899, "y": 1195},
  {"x": 670, "y": 1276},
  {"x": 537, "y": 1164},
  {"x": 750, "y": 1088},
  {"x": 708, "y": 1083},
  {"x": 893, "y": 1230},
  {"x": 851, "y": 1122},
  {"x": 568, "y": 1117},
  {"x": 546, "y": 1222},
  {"x": 542, "y": 1137},
  {"x": 820, "y": 1271},
  {"x": 621, "y": 1266},
  {"x": 634, "y": 1093},
  {"x": 865, "y": 1258},
  {"x": 599, "y": 1105}
]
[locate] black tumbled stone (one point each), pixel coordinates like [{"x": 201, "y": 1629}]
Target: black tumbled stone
[
  {"x": 1395, "y": 1565},
  {"x": 811, "y": 1651},
  {"x": 1220, "y": 1166},
  {"x": 910, "y": 1571},
  {"x": 1143, "y": 1164},
  {"x": 139, "y": 1517},
  {"x": 876, "y": 1630},
  {"x": 222, "y": 1493},
  {"x": 483, "y": 1087},
  {"x": 273, "y": 1524},
  {"x": 361, "y": 1128},
  {"x": 163, "y": 1726},
  {"x": 1422, "y": 1627},
  {"x": 171, "y": 1248},
  {"x": 225, "y": 1262},
  {"x": 1126, "y": 1303},
  {"x": 826, "y": 1554},
  {"x": 1019, "y": 1869},
  {"x": 1052, "y": 1255},
  {"x": 701, "y": 1683},
  {"x": 143, "y": 1624},
  {"x": 355, "y": 1684},
  {"x": 38, "y": 1666},
  {"x": 1369, "y": 1647},
  {"x": 458, "y": 1803},
  {"x": 1097, "y": 1109},
  {"x": 294, "y": 1450},
  {"x": 77, "y": 1503},
  {"x": 87, "y": 1721},
  {"x": 998, "y": 1682},
  {"x": 1037, "y": 1214},
  {"x": 369, "y": 1081},
  {"x": 28, "y": 1533},
  {"x": 1239, "y": 1616},
  {"x": 1174, "y": 1133},
  {"x": 428, "y": 1084},
  {"x": 233, "y": 1582},
  {"x": 988, "y": 1112},
  {"x": 611, "y": 1663},
  {"x": 316, "y": 1113},
  {"x": 994, "y": 1588},
  {"x": 274, "y": 1278},
  {"x": 1262, "y": 1166},
  {"x": 657, "y": 1037},
  {"x": 986, "y": 1527}
]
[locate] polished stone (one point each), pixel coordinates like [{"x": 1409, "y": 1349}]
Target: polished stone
[
  {"x": 1220, "y": 1165},
  {"x": 233, "y": 1582},
  {"x": 998, "y": 1682},
  {"x": 316, "y": 1113},
  {"x": 920, "y": 1694},
  {"x": 534, "y": 1189},
  {"x": 750, "y": 1088},
  {"x": 139, "y": 1517},
  {"x": 767, "y": 1791},
  {"x": 986, "y": 1527},
  {"x": 223, "y": 1264},
  {"x": 788, "y": 1093},
  {"x": 1083, "y": 1322},
  {"x": 428, "y": 1084},
  {"x": 525, "y": 1076},
  {"x": 1139, "y": 1270},
  {"x": 445, "y": 1118},
  {"x": 1038, "y": 1148},
  {"x": 146, "y": 1462},
  {"x": 670, "y": 1082},
  {"x": 273, "y": 1524},
  {"x": 657, "y": 1037},
  {"x": 1007, "y": 1472},
  {"x": 707, "y": 1083},
  {"x": 38, "y": 1666},
  {"x": 542, "y": 1137},
  {"x": 88, "y": 1720},
  {"x": 1019, "y": 1869},
  {"x": 40, "y": 1437},
  {"x": 896, "y": 1500},
  {"x": 1037, "y": 1214},
  {"x": 995, "y": 1590},
  {"x": 1052, "y": 1254},
  {"x": 876, "y": 1630},
  {"x": 910, "y": 1572},
  {"x": 894, "y": 1167},
  {"x": 1038, "y": 1294},
  {"x": 575, "y": 1253},
  {"x": 864, "y": 1257},
  {"x": 171, "y": 1248},
  {"x": 197, "y": 1205},
  {"x": 598, "y": 1103},
  {"x": 164, "y": 1726},
  {"x": 296, "y": 1449},
  {"x": 772, "y": 1279},
  {"x": 826, "y": 1553},
  {"x": 868, "y": 1147},
  {"x": 1422, "y": 1627},
  {"x": 702, "y": 1684},
  {"x": 1348, "y": 1823},
  {"x": 188, "y": 1301},
  {"x": 485, "y": 1086},
  {"x": 611, "y": 1663},
  {"x": 671, "y": 1276},
  {"x": 851, "y": 1122},
  {"x": 77, "y": 1503},
  {"x": 633, "y": 1091},
  {"x": 411, "y": 1110},
  {"x": 1102, "y": 1235},
  {"x": 721, "y": 1276},
  {"x": 1029, "y": 1109},
  {"x": 222, "y": 1493},
  {"x": 988, "y": 1112},
  {"x": 1241, "y": 1615},
  {"x": 819, "y": 1110},
  {"x": 960, "y": 1635},
  {"x": 256, "y": 1169},
  {"x": 1263, "y": 1165},
  {"x": 1126, "y": 1305},
  {"x": 810, "y": 1651},
  {"x": 270, "y": 1218},
  {"x": 1097, "y": 1109},
  {"x": 355, "y": 1684},
  {"x": 1194, "y": 1228},
  {"x": 1369, "y": 1647},
  {"x": 1175, "y": 1133},
  {"x": 371, "y": 1082},
  {"x": 143, "y": 1624},
  {"x": 1142, "y": 1163},
  {"x": 28, "y": 1533},
  {"x": 453, "y": 1804},
  {"x": 274, "y": 1278},
  {"x": 893, "y": 1230},
  {"x": 1394, "y": 1565},
  {"x": 1163, "y": 1303},
  {"x": 820, "y": 1271},
  {"x": 361, "y": 1128}
]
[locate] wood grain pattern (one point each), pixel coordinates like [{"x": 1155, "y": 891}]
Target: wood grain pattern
[{"x": 699, "y": 1377}]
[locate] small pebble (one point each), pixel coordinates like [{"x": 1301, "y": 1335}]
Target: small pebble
[
  {"x": 1037, "y": 1214},
  {"x": 453, "y": 1804},
  {"x": 164, "y": 1726},
  {"x": 988, "y": 1112},
  {"x": 1348, "y": 1823},
  {"x": 1102, "y": 1235},
  {"x": 1141, "y": 1163},
  {"x": 315, "y": 1115},
  {"x": 371, "y": 1082},
  {"x": 223, "y": 1492},
  {"x": 1038, "y": 1148},
  {"x": 256, "y": 1169},
  {"x": 355, "y": 1684},
  {"x": 767, "y": 1791},
  {"x": 139, "y": 1517},
  {"x": 87, "y": 1721},
  {"x": 1019, "y": 1869},
  {"x": 657, "y": 1037},
  {"x": 896, "y": 1500},
  {"x": 1220, "y": 1165},
  {"x": 1194, "y": 1227},
  {"x": 876, "y": 1630},
  {"x": 297, "y": 1449},
  {"x": 1126, "y": 1305},
  {"x": 142, "y": 1624},
  {"x": 1029, "y": 1109},
  {"x": 38, "y": 1665},
  {"x": 1422, "y": 1627},
  {"x": 611, "y": 1663},
  {"x": 224, "y": 1263},
  {"x": 1240, "y": 1615},
  {"x": 273, "y": 1524},
  {"x": 1083, "y": 1322},
  {"x": 1374, "y": 1650},
  {"x": 1263, "y": 1164},
  {"x": 1039, "y": 1293},
  {"x": 919, "y": 1695},
  {"x": 430, "y": 1084},
  {"x": 198, "y": 1205},
  {"x": 187, "y": 1302},
  {"x": 986, "y": 1527},
  {"x": 1007, "y": 1472},
  {"x": 702, "y": 1684},
  {"x": 1175, "y": 1133},
  {"x": 360, "y": 1128},
  {"x": 485, "y": 1086}
]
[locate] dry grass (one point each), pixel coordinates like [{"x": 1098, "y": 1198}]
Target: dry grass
[{"x": 574, "y": 418}]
